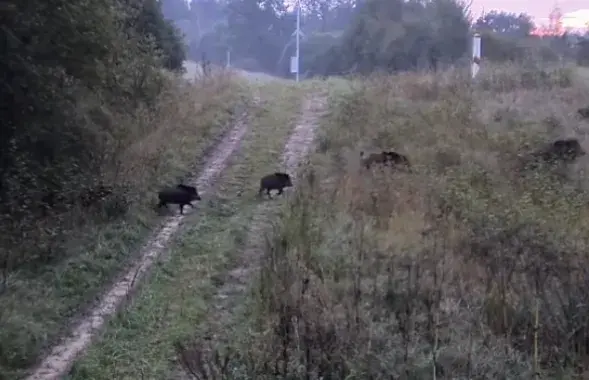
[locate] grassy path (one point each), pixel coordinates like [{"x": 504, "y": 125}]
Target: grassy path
[{"x": 138, "y": 343}]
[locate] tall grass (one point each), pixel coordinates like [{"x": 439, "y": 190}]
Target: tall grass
[{"x": 469, "y": 267}]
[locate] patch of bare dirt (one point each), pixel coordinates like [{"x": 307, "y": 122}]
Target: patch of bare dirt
[{"x": 60, "y": 359}]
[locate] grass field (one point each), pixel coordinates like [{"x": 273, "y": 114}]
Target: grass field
[
  {"x": 465, "y": 268},
  {"x": 38, "y": 303},
  {"x": 140, "y": 340}
]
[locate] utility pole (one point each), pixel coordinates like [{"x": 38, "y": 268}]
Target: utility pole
[{"x": 298, "y": 32}]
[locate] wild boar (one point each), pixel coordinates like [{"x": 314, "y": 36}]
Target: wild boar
[
  {"x": 583, "y": 112},
  {"x": 396, "y": 159},
  {"x": 372, "y": 158},
  {"x": 567, "y": 150},
  {"x": 385, "y": 158},
  {"x": 189, "y": 189},
  {"x": 277, "y": 181},
  {"x": 181, "y": 195}
]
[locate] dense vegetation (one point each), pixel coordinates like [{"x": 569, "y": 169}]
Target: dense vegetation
[
  {"x": 69, "y": 68},
  {"x": 86, "y": 96}
]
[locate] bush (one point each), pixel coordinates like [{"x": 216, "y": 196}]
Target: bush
[{"x": 80, "y": 76}]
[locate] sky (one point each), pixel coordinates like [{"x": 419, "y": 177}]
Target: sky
[{"x": 576, "y": 10}]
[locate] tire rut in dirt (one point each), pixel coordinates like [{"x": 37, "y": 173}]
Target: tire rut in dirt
[{"x": 62, "y": 356}]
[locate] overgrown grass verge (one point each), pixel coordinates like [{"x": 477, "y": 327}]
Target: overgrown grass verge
[
  {"x": 465, "y": 268},
  {"x": 174, "y": 138},
  {"x": 139, "y": 341}
]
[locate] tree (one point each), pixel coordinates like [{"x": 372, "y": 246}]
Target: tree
[
  {"x": 70, "y": 69},
  {"x": 583, "y": 52},
  {"x": 149, "y": 21},
  {"x": 505, "y": 23},
  {"x": 260, "y": 30},
  {"x": 320, "y": 10},
  {"x": 401, "y": 35}
]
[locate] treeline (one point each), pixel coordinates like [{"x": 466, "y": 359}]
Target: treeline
[
  {"x": 354, "y": 35},
  {"x": 74, "y": 73}
]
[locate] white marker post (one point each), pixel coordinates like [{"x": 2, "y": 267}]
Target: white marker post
[
  {"x": 294, "y": 66},
  {"x": 476, "y": 54}
]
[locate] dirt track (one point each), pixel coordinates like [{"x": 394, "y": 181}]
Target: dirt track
[
  {"x": 61, "y": 358},
  {"x": 59, "y": 361},
  {"x": 295, "y": 150}
]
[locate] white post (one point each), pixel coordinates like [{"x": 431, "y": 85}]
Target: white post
[
  {"x": 298, "y": 31},
  {"x": 228, "y": 58},
  {"x": 476, "y": 54}
]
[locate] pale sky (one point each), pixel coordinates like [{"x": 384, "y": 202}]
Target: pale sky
[{"x": 538, "y": 9}]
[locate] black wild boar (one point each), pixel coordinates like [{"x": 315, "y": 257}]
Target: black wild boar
[
  {"x": 567, "y": 150},
  {"x": 189, "y": 189},
  {"x": 583, "y": 112},
  {"x": 181, "y": 195},
  {"x": 396, "y": 159},
  {"x": 277, "y": 181},
  {"x": 384, "y": 158},
  {"x": 372, "y": 158}
]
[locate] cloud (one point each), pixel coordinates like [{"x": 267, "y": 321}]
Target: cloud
[{"x": 576, "y": 19}]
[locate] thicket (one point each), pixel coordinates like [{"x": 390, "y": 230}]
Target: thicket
[{"x": 74, "y": 73}]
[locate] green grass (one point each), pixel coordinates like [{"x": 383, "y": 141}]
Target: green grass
[
  {"x": 138, "y": 342},
  {"x": 37, "y": 305}
]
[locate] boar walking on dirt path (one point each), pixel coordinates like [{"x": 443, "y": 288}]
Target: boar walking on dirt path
[
  {"x": 181, "y": 195},
  {"x": 276, "y": 181}
]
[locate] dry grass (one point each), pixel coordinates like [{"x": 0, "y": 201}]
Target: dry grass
[
  {"x": 156, "y": 146},
  {"x": 462, "y": 269}
]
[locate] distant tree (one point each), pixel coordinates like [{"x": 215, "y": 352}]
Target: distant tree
[
  {"x": 320, "y": 9},
  {"x": 397, "y": 35},
  {"x": 583, "y": 52},
  {"x": 260, "y": 30},
  {"x": 150, "y": 21},
  {"x": 505, "y": 23},
  {"x": 328, "y": 15},
  {"x": 205, "y": 15}
]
